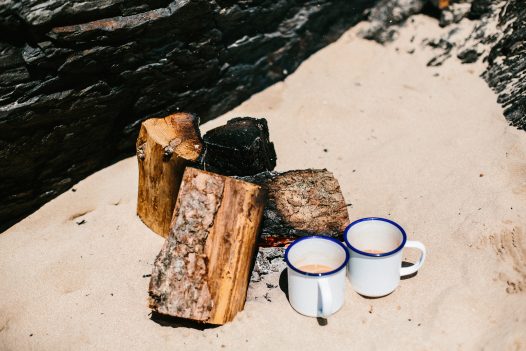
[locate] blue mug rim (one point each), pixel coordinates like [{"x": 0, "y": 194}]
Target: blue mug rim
[
  {"x": 343, "y": 265},
  {"x": 400, "y": 247}
]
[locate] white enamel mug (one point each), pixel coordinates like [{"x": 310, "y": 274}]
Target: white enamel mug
[
  {"x": 375, "y": 246},
  {"x": 316, "y": 294}
]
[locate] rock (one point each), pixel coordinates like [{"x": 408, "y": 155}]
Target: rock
[
  {"x": 498, "y": 35},
  {"x": 386, "y": 15},
  {"x": 479, "y": 8},
  {"x": 468, "y": 55},
  {"x": 77, "y": 78},
  {"x": 506, "y": 72},
  {"x": 454, "y": 13},
  {"x": 268, "y": 260}
]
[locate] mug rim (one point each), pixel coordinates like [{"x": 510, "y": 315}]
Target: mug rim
[
  {"x": 343, "y": 265},
  {"x": 398, "y": 226}
]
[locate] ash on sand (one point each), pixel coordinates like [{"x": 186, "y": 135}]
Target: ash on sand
[{"x": 269, "y": 264}]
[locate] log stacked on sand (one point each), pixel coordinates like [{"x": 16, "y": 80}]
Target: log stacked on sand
[
  {"x": 241, "y": 147},
  {"x": 202, "y": 271},
  {"x": 301, "y": 202},
  {"x": 164, "y": 147},
  {"x": 212, "y": 221}
]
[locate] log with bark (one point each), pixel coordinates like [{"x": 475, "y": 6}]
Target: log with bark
[
  {"x": 202, "y": 271},
  {"x": 164, "y": 147},
  {"x": 300, "y": 203}
]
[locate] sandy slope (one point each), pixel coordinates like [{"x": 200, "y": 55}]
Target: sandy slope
[{"x": 426, "y": 147}]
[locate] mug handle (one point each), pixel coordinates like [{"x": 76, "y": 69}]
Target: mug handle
[
  {"x": 412, "y": 269},
  {"x": 326, "y": 297}
]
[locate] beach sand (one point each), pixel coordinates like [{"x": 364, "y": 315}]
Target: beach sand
[{"x": 426, "y": 147}]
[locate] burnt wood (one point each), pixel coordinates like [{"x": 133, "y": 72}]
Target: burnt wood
[{"x": 241, "y": 147}]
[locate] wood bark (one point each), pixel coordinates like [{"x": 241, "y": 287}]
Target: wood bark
[
  {"x": 164, "y": 147},
  {"x": 202, "y": 271},
  {"x": 301, "y": 202}
]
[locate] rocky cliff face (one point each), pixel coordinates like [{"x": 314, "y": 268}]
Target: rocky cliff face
[
  {"x": 498, "y": 38},
  {"x": 77, "y": 77}
]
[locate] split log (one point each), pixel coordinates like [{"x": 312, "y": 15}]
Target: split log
[
  {"x": 202, "y": 271},
  {"x": 300, "y": 203},
  {"x": 241, "y": 147},
  {"x": 164, "y": 147}
]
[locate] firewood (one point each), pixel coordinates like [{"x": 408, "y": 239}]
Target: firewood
[
  {"x": 202, "y": 271},
  {"x": 301, "y": 202},
  {"x": 164, "y": 147},
  {"x": 241, "y": 147}
]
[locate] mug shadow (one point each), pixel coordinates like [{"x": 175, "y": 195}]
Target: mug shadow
[
  {"x": 284, "y": 286},
  {"x": 284, "y": 282},
  {"x": 408, "y": 264},
  {"x": 175, "y": 322}
]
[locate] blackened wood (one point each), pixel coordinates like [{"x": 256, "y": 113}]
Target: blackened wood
[{"x": 241, "y": 147}]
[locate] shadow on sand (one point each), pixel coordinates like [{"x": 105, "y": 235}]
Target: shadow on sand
[{"x": 174, "y": 322}]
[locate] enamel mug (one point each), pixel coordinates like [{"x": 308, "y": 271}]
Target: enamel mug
[
  {"x": 375, "y": 246},
  {"x": 316, "y": 294}
]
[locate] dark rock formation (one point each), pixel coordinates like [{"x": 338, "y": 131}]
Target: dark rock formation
[
  {"x": 506, "y": 72},
  {"x": 76, "y": 78},
  {"x": 504, "y": 48},
  {"x": 387, "y": 15}
]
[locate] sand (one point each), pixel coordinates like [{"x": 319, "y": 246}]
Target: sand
[{"x": 427, "y": 147}]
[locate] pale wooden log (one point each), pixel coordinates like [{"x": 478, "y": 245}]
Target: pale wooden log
[
  {"x": 164, "y": 147},
  {"x": 202, "y": 271}
]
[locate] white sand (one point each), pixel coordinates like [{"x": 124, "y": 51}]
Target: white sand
[{"x": 431, "y": 152}]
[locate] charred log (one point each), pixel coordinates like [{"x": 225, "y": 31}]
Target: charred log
[{"x": 241, "y": 147}]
